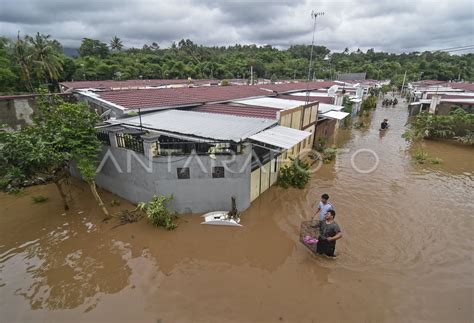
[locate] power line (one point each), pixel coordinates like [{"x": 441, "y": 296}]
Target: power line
[
  {"x": 460, "y": 49},
  {"x": 453, "y": 48}
]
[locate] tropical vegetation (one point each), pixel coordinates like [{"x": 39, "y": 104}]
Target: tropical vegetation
[
  {"x": 457, "y": 125},
  {"x": 295, "y": 175},
  {"x": 157, "y": 212},
  {"x": 30, "y": 62},
  {"x": 61, "y": 138}
]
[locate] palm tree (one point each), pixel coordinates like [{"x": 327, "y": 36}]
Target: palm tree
[
  {"x": 116, "y": 44},
  {"x": 22, "y": 56},
  {"x": 46, "y": 55}
]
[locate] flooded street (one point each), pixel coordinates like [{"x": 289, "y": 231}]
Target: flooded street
[{"x": 406, "y": 254}]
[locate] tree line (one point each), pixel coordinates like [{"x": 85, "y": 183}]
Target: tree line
[{"x": 31, "y": 62}]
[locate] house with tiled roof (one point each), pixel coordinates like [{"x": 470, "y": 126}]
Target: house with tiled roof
[
  {"x": 440, "y": 97},
  {"x": 203, "y": 145}
]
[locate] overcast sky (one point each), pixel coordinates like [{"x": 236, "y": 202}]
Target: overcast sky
[{"x": 389, "y": 25}]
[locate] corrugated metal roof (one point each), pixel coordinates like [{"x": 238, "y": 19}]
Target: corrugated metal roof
[
  {"x": 312, "y": 93},
  {"x": 239, "y": 110},
  {"x": 312, "y": 99},
  {"x": 282, "y": 104},
  {"x": 280, "y": 136},
  {"x": 205, "y": 125},
  {"x": 323, "y": 107},
  {"x": 335, "y": 115}
]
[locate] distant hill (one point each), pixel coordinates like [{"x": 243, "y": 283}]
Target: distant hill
[{"x": 71, "y": 52}]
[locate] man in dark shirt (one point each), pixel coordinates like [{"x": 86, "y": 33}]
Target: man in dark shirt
[
  {"x": 384, "y": 124},
  {"x": 328, "y": 234}
]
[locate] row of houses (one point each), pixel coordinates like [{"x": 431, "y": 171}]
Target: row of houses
[
  {"x": 440, "y": 97},
  {"x": 205, "y": 144},
  {"x": 202, "y": 142}
]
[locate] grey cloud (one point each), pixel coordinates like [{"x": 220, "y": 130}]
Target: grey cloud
[{"x": 384, "y": 25}]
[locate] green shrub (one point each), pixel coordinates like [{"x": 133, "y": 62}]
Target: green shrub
[
  {"x": 16, "y": 191},
  {"x": 39, "y": 199},
  {"x": 329, "y": 154},
  {"x": 157, "y": 212},
  {"x": 114, "y": 202},
  {"x": 436, "y": 160},
  {"x": 320, "y": 143},
  {"x": 457, "y": 125},
  {"x": 420, "y": 156},
  {"x": 467, "y": 139},
  {"x": 295, "y": 175},
  {"x": 359, "y": 125},
  {"x": 368, "y": 104}
]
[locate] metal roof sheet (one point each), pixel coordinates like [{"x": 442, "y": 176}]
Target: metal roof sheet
[
  {"x": 335, "y": 115},
  {"x": 280, "y": 136},
  {"x": 205, "y": 125},
  {"x": 313, "y": 93},
  {"x": 282, "y": 104},
  {"x": 466, "y": 101},
  {"x": 324, "y": 107},
  {"x": 239, "y": 110}
]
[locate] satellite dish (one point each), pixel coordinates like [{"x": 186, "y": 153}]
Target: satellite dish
[{"x": 332, "y": 90}]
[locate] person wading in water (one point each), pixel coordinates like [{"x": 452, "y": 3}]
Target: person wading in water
[
  {"x": 323, "y": 207},
  {"x": 329, "y": 233},
  {"x": 384, "y": 125}
]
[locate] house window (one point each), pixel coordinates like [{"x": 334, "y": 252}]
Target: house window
[
  {"x": 218, "y": 172},
  {"x": 103, "y": 137},
  {"x": 129, "y": 141},
  {"x": 183, "y": 173}
]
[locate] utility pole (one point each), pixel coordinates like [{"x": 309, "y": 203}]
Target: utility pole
[
  {"x": 251, "y": 74},
  {"x": 403, "y": 84},
  {"x": 140, "y": 117},
  {"x": 315, "y": 16}
]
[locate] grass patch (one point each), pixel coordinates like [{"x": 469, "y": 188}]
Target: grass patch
[
  {"x": 420, "y": 156},
  {"x": 17, "y": 191},
  {"x": 436, "y": 161},
  {"x": 39, "y": 199},
  {"x": 329, "y": 154}
]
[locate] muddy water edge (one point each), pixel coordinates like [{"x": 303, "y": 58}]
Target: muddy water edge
[{"x": 406, "y": 255}]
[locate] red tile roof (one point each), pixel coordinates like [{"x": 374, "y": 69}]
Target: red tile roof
[
  {"x": 428, "y": 82},
  {"x": 193, "y": 96},
  {"x": 176, "y": 97},
  {"x": 297, "y": 86},
  {"x": 132, "y": 84},
  {"x": 467, "y": 87},
  {"x": 239, "y": 110},
  {"x": 448, "y": 96}
]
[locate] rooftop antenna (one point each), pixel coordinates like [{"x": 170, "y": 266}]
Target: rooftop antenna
[
  {"x": 140, "y": 117},
  {"x": 314, "y": 15}
]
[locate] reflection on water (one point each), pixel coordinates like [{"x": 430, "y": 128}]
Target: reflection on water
[{"x": 406, "y": 254}]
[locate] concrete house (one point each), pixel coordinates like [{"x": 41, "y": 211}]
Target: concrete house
[
  {"x": 439, "y": 97},
  {"x": 203, "y": 145}
]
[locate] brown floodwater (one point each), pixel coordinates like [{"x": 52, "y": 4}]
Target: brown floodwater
[{"x": 406, "y": 254}]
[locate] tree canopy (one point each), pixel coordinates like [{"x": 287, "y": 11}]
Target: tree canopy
[
  {"x": 62, "y": 134},
  {"x": 21, "y": 71}
]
